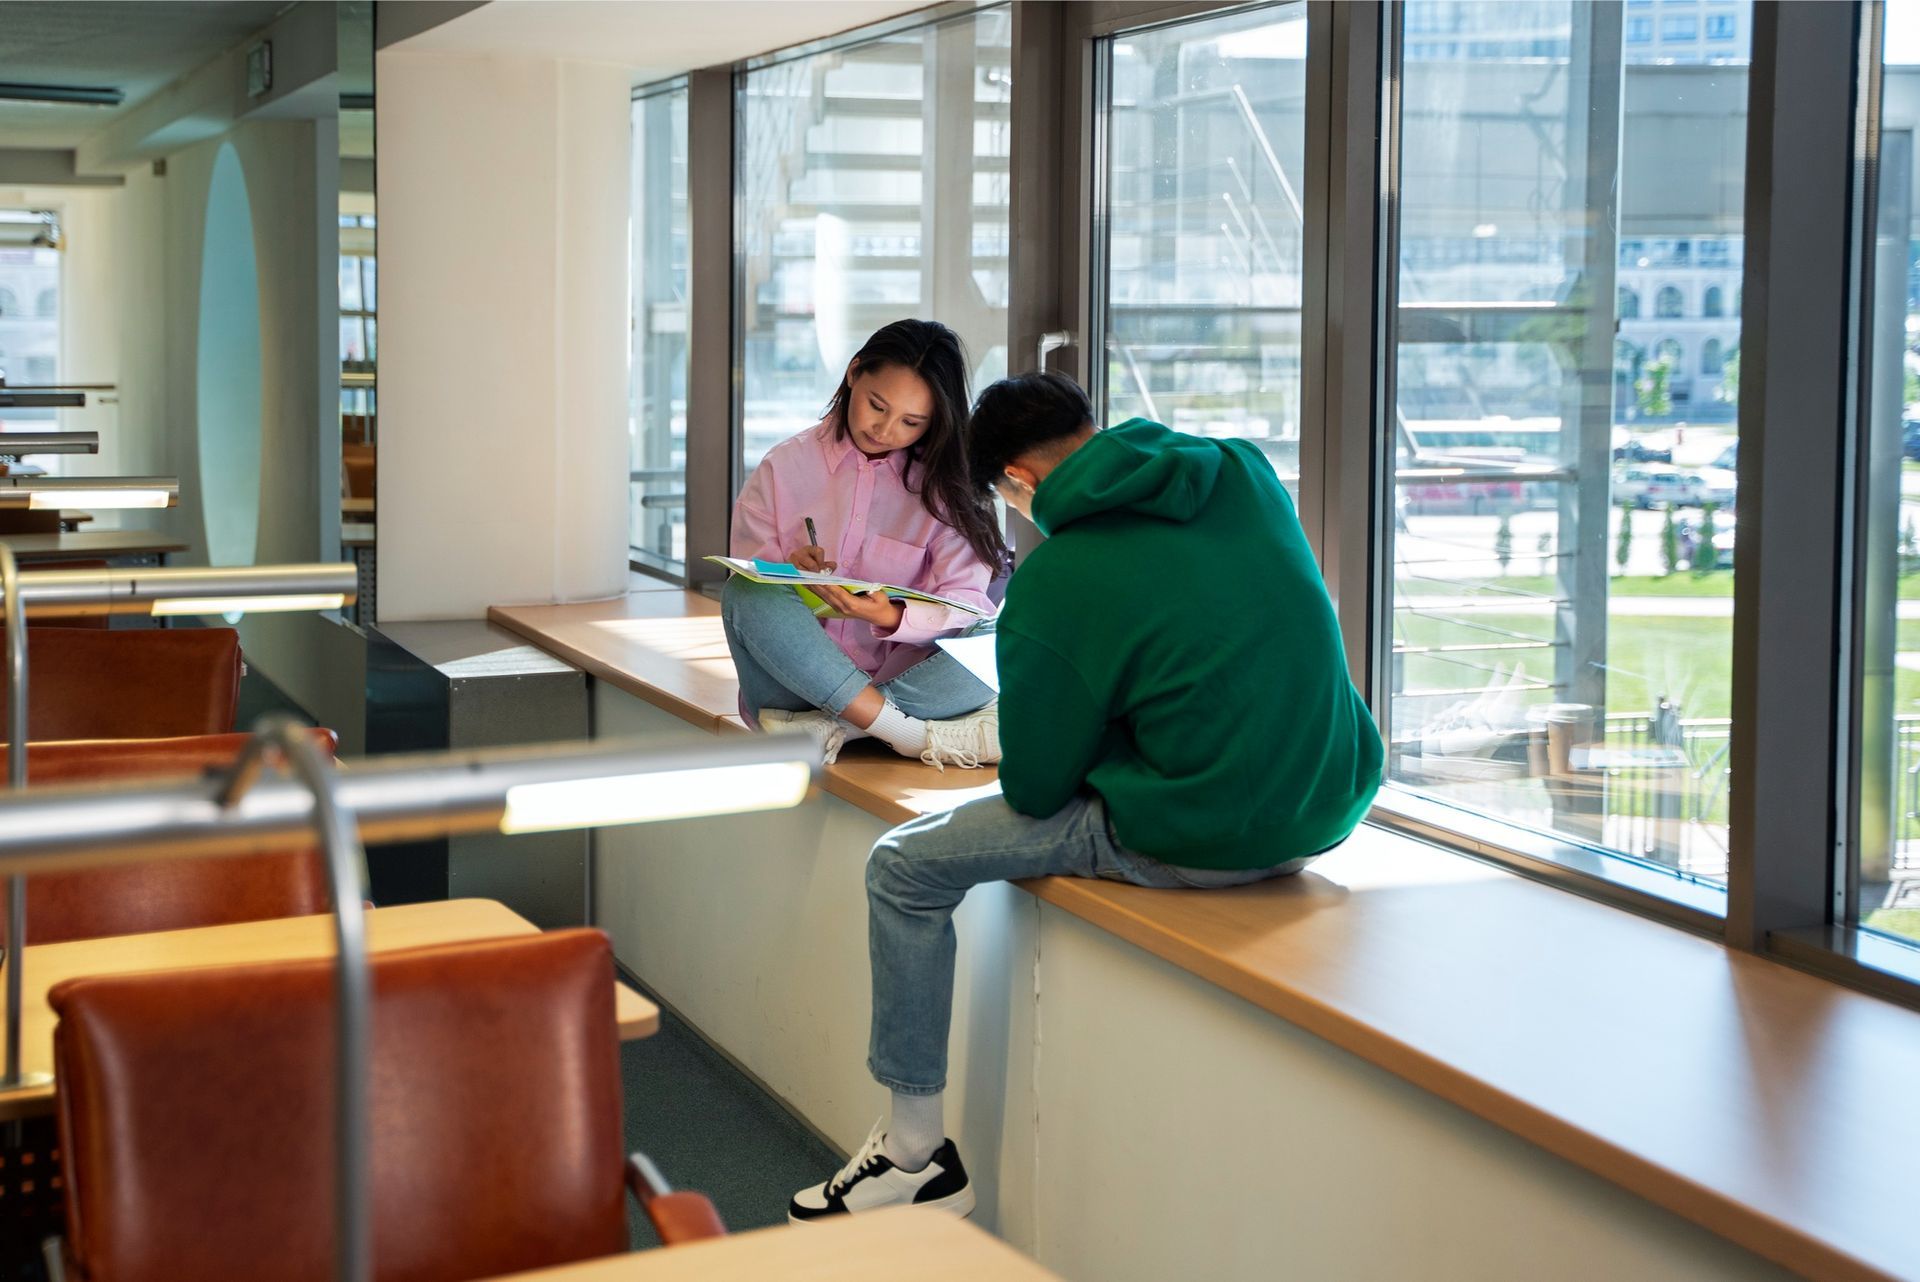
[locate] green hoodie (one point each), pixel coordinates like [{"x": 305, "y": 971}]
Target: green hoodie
[{"x": 1171, "y": 647}]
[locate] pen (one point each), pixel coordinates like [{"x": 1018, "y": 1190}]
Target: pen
[{"x": 812, "y": 536}]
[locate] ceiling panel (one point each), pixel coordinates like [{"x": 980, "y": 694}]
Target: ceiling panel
[{"x": 137, "y": 48}]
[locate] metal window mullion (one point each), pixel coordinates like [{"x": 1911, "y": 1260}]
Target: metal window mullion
[
  {"x": 1797, "y": 398},
  {"x": 1046, "y": 246},
  {"x": 1343, "y": 360},
  {"x": 711, "y": 332}
]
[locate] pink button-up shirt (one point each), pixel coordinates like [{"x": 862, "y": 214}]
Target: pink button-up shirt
[{"x": 874, "y": 528}]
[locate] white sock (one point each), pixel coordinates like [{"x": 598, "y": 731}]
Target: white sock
[
  {"x": 915, "y": 1131},
  {"x": 904, "y": 734}
]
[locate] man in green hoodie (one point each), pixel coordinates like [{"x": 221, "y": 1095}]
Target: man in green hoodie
[{"x": 1149, "y": 733}]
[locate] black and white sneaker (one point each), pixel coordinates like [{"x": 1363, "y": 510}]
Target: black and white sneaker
[{"x": 871, "y": 1180}]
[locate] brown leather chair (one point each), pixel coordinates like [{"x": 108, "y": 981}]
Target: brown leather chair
[
  {"x": 132, "y": 899},
  {"x": 196, "y": 1113},
  {"x": 65, "y": 620},
  {"x": 147, "y": 683}
]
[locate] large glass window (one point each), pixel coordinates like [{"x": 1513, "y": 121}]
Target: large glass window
[
  {"x": 1888, "y": 844},
  {"x": 657, "y": 368},
  {"x": 1563, "y": 495},
  {"x": 872, "y": 185},
  {"x": 1206, "y": 143},
  {"x": 29, "y": 308}
]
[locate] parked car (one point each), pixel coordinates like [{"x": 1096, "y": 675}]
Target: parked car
[
  {"x": 1651, "y": 487},
  {"x": 1910, "y": 438},
  {"x": 1639, "y": 450},
  {"x": 1729, "y": 458}
]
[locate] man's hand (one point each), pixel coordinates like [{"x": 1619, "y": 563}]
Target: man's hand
[
  {"x": 877, "y": 608},
  {"x": 812, "y": 559}
]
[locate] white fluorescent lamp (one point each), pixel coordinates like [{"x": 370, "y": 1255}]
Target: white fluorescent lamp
[
  {"x": 19, "y": 444},
  {"x": 408, "y": 797},
  {"x": 165, "y": 592},
  {"x": 100, "y": 492}
]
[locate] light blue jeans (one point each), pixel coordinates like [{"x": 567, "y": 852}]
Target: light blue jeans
[
  {"x": 918, "y": 874},
  {"x": 785, "y": 659}
]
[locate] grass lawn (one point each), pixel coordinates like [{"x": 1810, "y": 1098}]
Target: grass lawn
[
  {"x": 1904, "y": 922},
  {"x": 1688, "y": 660}
]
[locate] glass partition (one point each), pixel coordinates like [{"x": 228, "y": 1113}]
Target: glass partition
[{"x": 657, "y": 371}]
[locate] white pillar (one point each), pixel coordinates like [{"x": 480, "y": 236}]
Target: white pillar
[{"x": 502, "y": 206}]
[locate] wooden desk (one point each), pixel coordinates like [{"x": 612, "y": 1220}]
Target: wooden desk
[
  {"x": 93, "y": 543},
  {"x": 282, "y": 939},
  {"x": 667, "y": 648},
  {"x": 941, "y": 1247},
  {"x": 356, "y": 506}
]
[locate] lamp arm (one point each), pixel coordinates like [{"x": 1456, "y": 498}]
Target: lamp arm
[
  {"x": 346, "y": 880},
  {"x": 16, "y": 616}
]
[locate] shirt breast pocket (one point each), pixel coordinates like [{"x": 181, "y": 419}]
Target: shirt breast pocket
[{"x": 886, "y": 560}]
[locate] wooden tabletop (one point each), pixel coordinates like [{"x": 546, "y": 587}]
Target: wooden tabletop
[
  {"x": 281, "y": 939},
  {"x": 667, "y": 648},
  {"x": 93, "y": 543},
  {"x": 859, "y": 1248}
]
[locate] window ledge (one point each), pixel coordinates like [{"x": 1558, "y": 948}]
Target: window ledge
[{"x": 1762, "y": 1103}]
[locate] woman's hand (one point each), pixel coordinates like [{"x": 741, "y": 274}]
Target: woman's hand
[
  {"x": 876, "y": 608},
  {"x": 812, "y": 559}
]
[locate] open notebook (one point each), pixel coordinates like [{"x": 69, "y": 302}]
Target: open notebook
[{"x": 792, "y": 576}]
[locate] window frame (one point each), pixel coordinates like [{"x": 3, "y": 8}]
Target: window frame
[
  {"x": 1794, "y": 756},
  {"x": 639, "y": 560}
]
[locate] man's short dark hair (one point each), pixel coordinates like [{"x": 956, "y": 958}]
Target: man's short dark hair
[{"x": 1021, "y": 414}]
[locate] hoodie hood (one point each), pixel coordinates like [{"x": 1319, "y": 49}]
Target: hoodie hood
[{"x": 1137, "y": 466}]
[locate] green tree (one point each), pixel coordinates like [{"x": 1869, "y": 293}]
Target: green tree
[
  {"x": 1623, "y": 546},
  {"x": 1706, "y": 557},
  {"x": 1669, "y": 543},
  {"x": 1543, "y": 548},
  {"x": 1653, "y": 393},
  {"x": 1729, "y": 389},
  {"x": 1503, "y": 543}
]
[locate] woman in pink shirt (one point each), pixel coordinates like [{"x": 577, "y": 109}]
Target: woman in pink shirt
[{"x": 883, "y": 477}]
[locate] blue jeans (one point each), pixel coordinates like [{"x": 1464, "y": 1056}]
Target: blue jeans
[
  {"x": 918, "y": 874},
  {"x": 785, "y": 659}
]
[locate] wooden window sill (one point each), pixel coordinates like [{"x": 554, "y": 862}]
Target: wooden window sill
[{"x": 1766, "y": 1105}]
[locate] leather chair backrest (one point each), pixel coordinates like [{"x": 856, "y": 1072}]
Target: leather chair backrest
[
  {"x": 141, "y": 683},
  {"x": 131, "y": 899},
  {"x": 66, "y": 620},
  {"x": 196, "y": 1115}
]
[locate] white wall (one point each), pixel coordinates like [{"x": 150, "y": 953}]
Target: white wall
[
  {"x": 1122, "y": 1119},
  {"x": 503, "y": 433}
]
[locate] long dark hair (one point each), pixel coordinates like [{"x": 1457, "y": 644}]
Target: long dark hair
[{"x": 937, "y": 462}]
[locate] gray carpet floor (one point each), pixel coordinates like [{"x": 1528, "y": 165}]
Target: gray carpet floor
[{"x": 711, "y": 1130}]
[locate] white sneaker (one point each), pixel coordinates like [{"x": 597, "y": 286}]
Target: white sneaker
[
  {"x": 870, "y": 1181},
  {"x": 824, "y": 728},
  {"x": 968, "y": 742}
]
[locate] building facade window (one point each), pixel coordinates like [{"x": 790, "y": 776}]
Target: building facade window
[
  {"x": 1720, "y": 26},
  {"x": 1712, "y": 303},
  {"x": 1711, "y": 362},
  {"x": 871, "y": 185},
  {"x": 1526, "y": 691},
  {"x": 1204, "y": 258},
  {"x": 1639, "y": 30},
  {"x": 1680, "y": 27}
]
